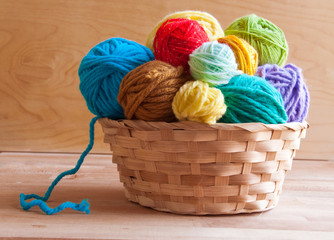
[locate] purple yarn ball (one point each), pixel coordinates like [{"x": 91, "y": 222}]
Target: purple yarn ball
[{"x": 288, "y": 80}]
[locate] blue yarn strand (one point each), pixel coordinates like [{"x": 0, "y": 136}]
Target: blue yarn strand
[
  {"x": 82, "y": 207},
  {"x": 40, "y": 201}
]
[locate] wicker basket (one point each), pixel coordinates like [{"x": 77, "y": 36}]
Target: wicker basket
[{"x": 194, "y": 168}]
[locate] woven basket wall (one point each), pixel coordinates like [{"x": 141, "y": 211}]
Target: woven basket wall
[{"x": 193, "y": 168}]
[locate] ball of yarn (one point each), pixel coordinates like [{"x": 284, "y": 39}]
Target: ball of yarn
[
  {"x": 252, "y": 99},
  {"x": 196, "y": 101},
  {"x": 206, "y": 20},
  {"x": 176, "y": 39},
  {"x": 147, "y": 92},
  {"x": 102, "y": 70},
  {"x": 288, "y": 80},
  {"x": 267, "y": 39},
  {"x": 213, "y": 63},
  {"x": 245, "y": 54}
]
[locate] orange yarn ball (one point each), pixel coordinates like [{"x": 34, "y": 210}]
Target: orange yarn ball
[
  {"x": 147, "y": 92},
  {"x": 245, "y": 55}
]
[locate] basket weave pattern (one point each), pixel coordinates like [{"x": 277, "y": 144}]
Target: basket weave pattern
[{"x": 194, "y": 168}]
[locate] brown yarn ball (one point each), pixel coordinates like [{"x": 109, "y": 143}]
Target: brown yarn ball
[{"x": 147, "y": 91}]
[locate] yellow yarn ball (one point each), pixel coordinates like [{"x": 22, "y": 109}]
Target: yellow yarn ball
[
  {"x": 206, "y": 20},
  {"x": 196, "y": 101}
]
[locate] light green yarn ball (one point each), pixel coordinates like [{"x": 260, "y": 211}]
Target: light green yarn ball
[
  {"x": 267, "y": 39},
  {"x": 213, "y": 63}
]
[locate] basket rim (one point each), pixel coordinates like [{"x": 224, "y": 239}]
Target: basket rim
[{"x": 190, "y": 125}]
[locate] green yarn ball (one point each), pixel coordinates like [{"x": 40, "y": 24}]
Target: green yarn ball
[
  {"x": 267, "y": 39},
  {"x": 252, "y": 99}
]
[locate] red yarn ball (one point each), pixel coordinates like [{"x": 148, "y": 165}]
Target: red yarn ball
[{"x": 176, "y": 39}]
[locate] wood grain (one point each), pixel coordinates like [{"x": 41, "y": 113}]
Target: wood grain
[
  {"x": 305, "y": 209},
  {"x": 43, "y": 41}
]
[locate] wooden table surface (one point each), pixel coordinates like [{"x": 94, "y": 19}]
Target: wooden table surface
[{"x": 305, "y": 210}]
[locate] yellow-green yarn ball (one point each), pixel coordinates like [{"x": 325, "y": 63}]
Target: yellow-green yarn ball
[
  {"x": 206, "y": 20},
  {"x": 264, "y": 36},
  {"x": 196, "y": 101}
]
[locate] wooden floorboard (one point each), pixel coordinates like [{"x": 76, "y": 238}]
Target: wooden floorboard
[{"x": 305, "y": 210}]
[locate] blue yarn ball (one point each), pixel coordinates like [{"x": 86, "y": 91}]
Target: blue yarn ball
[
  {"x": 102, "y": 70},
  {"x": 252, "y": 99}
]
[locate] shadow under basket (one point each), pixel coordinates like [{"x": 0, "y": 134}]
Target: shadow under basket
[{"x": 193, "y": 168}]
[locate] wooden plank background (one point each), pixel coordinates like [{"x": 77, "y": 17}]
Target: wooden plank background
[{"x": 43, "y": 41}]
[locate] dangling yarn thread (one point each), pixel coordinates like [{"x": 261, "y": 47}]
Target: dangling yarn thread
[
  {"x": 101, "y": 72},
  {"x": 176, "y": 39},
  {"x": 290, "y": 84},
  {"x": 40, "y": 201},
  {"x": 147, "y": 92},
  {"x": 266, "y": 38},
  {"x": 213, "y": 63},
  {"x": 252, "y": 99},
  {"x": 208, "y": 22},
  {"x": 245, "y": 54},
  {"x": 196, "y": 101}
]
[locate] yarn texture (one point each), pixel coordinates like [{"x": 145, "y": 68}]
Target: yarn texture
[
  {"x": 196, "y": 101},
  {"x": 213, "y": 63},
  {"x": 245, "y": 54},
  {"x": 252, "y": 99},
  {"x": 176, "y": 39},
  {"x": 102, "y": 70},
  {"x": 290, "y": 84},
  {"x": 208, "y": 22},
  {"x": 147, "y": 92},
  {"x": 266, "y": 38}
]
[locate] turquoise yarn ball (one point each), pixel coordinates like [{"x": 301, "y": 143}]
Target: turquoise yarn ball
[
  {"x": 252, "y": 99},
  {"x": 102, "y": 70},
  {"x": 213, "y": 63}
]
